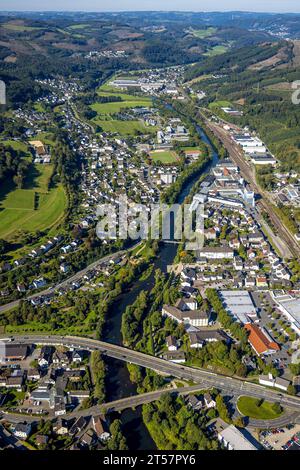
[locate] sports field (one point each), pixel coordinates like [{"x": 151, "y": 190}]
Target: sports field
[
  {"x": 32, "y": 208},
  {"x": 117, "y": 106},
  {"x": 168, "y": 156}
]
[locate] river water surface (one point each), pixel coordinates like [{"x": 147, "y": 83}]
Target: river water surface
[{"x": 118, "y": 383}]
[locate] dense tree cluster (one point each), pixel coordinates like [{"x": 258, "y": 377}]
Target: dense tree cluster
[
  {"x": 174, "y": 426},
  {"x": 98, "y": 374},
  {"x": 13, "y": 165}
]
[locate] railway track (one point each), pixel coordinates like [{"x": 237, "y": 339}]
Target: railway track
[{"x": 247, "y": 172}]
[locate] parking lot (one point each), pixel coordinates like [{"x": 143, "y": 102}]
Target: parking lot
[
  {"x": 277, "y": 440},
  {"x": 267, "y": 307}
]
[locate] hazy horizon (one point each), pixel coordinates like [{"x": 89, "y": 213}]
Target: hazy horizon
[{"x": 255, "y": 6}]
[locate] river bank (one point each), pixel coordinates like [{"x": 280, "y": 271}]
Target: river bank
[{"x": 118, "y": 383}]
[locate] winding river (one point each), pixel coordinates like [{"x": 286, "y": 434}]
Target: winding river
[{"x": 118, "y": 383}]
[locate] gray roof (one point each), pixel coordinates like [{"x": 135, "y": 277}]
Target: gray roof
[{"x": 236, "y": 439}]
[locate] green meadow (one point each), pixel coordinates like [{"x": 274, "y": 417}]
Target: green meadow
[
  {"x": 204, "y": 33},
  {"x": 19, "y": 28},
  {"x": 32, "y": 208},
  {"x": 117, "y": 106},
  {"x": 219, "y": 104},
  {"x": 107, "y": 111},
  {"x": 216, "y": 50},
  {"x": 121, "y": 127},
  {"x": 257, "y": 409}
]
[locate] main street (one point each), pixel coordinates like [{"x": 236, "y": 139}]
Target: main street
[
  {"x": 134, "y": 401},
  {"x": 206, "y": 379}
]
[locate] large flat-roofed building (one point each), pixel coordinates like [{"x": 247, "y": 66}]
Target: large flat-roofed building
[
  {"x": 233, "y": 439},
  {"x": 290, "y": 307},
  {"x": 12, "y": 352},
  {"x": 250, "y": 144},
  {"x": 263, "y": 159},
  {"x": 239, "y": 305}
]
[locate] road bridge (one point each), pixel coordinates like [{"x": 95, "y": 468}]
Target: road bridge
[{"x": 202, "y": 377}]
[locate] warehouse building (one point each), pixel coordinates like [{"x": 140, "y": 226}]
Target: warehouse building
[
  {"x": 233, "y": 439},
  {"x": 239, "y": 305},
  {"x": 290, "y": 307}
]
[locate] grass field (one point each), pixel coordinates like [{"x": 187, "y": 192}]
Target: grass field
[
  {"x": 17, "y": 212},
  {"x": 168, "y": 156},
  {"x": 199, "y": 79},
  {"x": 79, "y": 26},
  {"x": 106, "y": 111},
  {"x": 204, "y": 33},
  {"x": 219, "y": 104},
  {"x": 17, "y": 145},
  {"x": 249, "y": 407},
  {"x": 116, "y": 107},
  {"x": 39, "y": 107},
  {"x": 19, "y": 28},
  {"x": 216, "y": 50},
  {"x": 45, "y": 137},
  {"x": 121, "y": 127}
]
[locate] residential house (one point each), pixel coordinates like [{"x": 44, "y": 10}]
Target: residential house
[
  {"x": 100, "y": 427},
  {"x": 22, "y": 430},
  {"x": 171, "y": 343},
  {"x": 209, "y": 401}
]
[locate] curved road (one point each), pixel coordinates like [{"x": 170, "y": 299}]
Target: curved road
[
  {"x": 65, "y": 282},
  {"x": 206, "y": 379}
]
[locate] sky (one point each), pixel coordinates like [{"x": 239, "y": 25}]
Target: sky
[{"x": 169, "y": 5}]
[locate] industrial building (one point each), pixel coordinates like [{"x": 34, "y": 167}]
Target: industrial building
[
  {"x": 239, "y": 305},
  {"x": 290, "y": 307},
  {"x": 233, "y": 439}
]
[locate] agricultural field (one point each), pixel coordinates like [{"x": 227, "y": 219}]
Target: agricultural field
[
  {"x": 19, "y": 27},
  {"x": 216, "y": 50},
  {"x": 106, "y": 112},
  {"x": 32, "y": 208},
  {"x": 79, "y": 26},
  {"x": 116, "y": 107},
  {"x": 219, "y": 104},
  {"x": 121, "y": 127},
  {"x": 164, "y": 157},
  {"x": 204, "y": 33},
  {"x": 128, "y": 101}
]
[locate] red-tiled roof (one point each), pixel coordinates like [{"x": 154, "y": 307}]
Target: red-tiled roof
[{"x": 259, "y": 340}]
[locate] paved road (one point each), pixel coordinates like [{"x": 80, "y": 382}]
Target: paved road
[
  {"x": 238, "y": 157},
  {"x": 282, "y": 421},
  {"x": 134, "y": 401},
  {"x": 202, "y": 377},
  {"x": 65, "y": 282}
]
